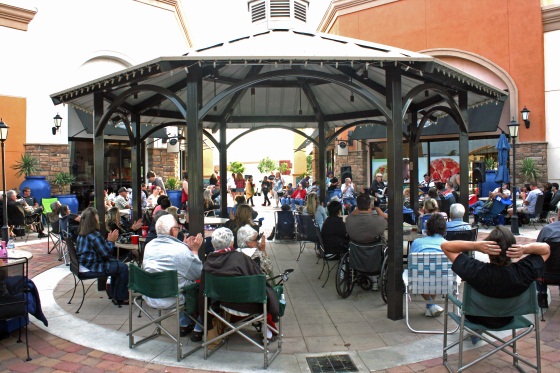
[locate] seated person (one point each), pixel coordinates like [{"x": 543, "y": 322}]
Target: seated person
[
  {"x": 152, "y": 229},
  {"x": 16, "y": 213},
  {"x": 314, "y": 208},
  {"x": 362, "y": 226},
  {"x": 165, "y": 253},
  {"x": 243, "y": 216},
  {"x": 163, "y": 202},
  {"x": 121, "y": 201},
  {"x": 240, "y": 200},
  {"x": 209, "y": 204},
  {"x": 500, "y": 278},
  {"x": 456, "y": 213},
  {"x": 503, "y": 192},
  {"x": 95, "y": 256},
  {"x": 435, "y": 230},
  {"x": 433, "y": 194},
  {"x": 247, "y": 239},
  {"x": 529, "y": 200},
  {"x": 298, "y": 197},
  {"x": 152, "y": 200},
  {"x": 68, "y": 221},
  {"x": 226, "y": 261},
  {"x": 33, "y": 210},
  {"x": 378, "y": 185},
  {"x": 334, "y": 235},
  {"x": 348, "y": 191},
  {"x": 429, "y": 208},
  {"x": 550, "y": 234},
  {"x": 113, "y": 220}
]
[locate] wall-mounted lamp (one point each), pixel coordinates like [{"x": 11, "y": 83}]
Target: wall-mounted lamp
[
  {"x": 525, "y": 116},
  {"x": 57, "y": 123}
]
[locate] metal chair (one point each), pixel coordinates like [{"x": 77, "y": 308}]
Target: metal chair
[
  {"x": 14, "y": 303},
  {"x": 238, "y": 289},
  {"x": 428, "y": 273},
  {"x": 78, "y": 276},
  {"x": 305, "y": 232},
  {"x": 476, "y": 304},
  {"x": 322, "y": 255},
  {"x": 462, "y": 235},
  {"x": 157, "y": 285},
  {"x": 535, "y": 218}
]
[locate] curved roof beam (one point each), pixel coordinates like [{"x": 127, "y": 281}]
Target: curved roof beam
[
  {"x": 299, "y": 73},
  {"x": 312, "y": 100},
  {"x": 178, "y": 124},
  {"x": 171, "y": 96},
  {"x": 274, "y": 126},
  {"x": 407, "y": 101},
  {"x": 427, "y": 115},
  {"x": 353, "y": 124}
]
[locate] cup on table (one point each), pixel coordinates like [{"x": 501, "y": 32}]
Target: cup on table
[
  {"x": 134, "y": 239},
  {"x": 144, "y": 231}
]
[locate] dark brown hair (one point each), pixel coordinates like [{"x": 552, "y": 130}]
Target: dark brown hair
[{"x": 504, "y": 238}]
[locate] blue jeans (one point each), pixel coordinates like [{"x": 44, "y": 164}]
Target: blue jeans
[
  {"x": 297, "y": 201},
  {"x": 477, "y": 207},
  {"x": 285, "y": 201},
  {"x": 119, "y": 278},
  {"x": 350, "y": 201}
]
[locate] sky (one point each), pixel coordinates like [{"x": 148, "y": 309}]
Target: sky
[{"x": 218, "y": 20}]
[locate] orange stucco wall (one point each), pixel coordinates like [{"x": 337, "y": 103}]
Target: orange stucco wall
[
  {"x": 13, "y": 113},
  {"x": 507, "y": 32}
]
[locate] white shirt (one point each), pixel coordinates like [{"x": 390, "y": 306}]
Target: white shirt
[{"x": 347, "y": 190}]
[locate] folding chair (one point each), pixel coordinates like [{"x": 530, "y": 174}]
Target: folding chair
[
  {"x": 428, "y": 273},
  {"x": 238, "y": 289},
  {"x": 14, "y": 303},
  {"x": 156, "y": 285},
  {"x": 53, "y": 226},
  {"x": 79, "y": 277},
  {"x": 535, "y": 218},
  {"x": 305, "y": 232},
  {"x": 477, "y": 304},
  {"x": 322, "y": 255}
]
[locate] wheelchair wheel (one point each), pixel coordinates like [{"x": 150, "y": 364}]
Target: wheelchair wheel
[
  {"x": 365, "y": 282},
  {"x": 344, "y": 283},
  {"x": 384, "y": 277}
]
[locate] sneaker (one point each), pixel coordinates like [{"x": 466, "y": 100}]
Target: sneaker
[
  {"x": 375, "y": 286},
  {"x": 433, "y": 310},
  {"x": 186, "y": 330},
  {"x": 475, "y": 339}
]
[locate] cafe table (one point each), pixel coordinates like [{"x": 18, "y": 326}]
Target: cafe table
[{"x": 19, "y": 253}]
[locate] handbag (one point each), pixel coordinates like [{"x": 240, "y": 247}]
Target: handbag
[{"x": 125, "y": 238}]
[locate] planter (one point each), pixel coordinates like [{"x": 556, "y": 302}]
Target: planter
[
  {"x": 70, "y": 200},
  {"x": 40, "y": 187},
  {"x": 489, "y": 185},
  {"x": 175, "y": 198}
]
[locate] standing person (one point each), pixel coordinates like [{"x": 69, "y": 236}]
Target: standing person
[
  {"x": 314, "y": 208},
  {"x": 435, "y": 230},
  {"x": 185, "y": 192},
  {"x": 277, "y": 187},
  {"x": 167, "y": 253},
  {"x": 231, "y": 186},
  {"x": 265, "y": 187},
  {"x": 348, "y": 194},
  {"x": 250, "y": 190},
  {"x": 95, "y": 255},
  {"x": 239, "y": 183},
  {"x": 156, "y": 180}
]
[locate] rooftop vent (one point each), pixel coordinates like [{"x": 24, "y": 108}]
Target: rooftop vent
[{"x": 288, "y": 12}]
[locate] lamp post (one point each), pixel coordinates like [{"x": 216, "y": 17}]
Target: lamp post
[
  {"x": 513, "y": 127},
  {"x": 3, "y": 137}
]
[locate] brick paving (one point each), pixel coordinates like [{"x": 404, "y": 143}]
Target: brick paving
[{"x": 52, "y": 354}]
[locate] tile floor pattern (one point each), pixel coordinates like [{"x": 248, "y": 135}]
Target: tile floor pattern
[{"x": 316, "y": 321}]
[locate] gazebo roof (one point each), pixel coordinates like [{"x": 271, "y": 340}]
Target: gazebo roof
[{"x": 287, "y": 100}]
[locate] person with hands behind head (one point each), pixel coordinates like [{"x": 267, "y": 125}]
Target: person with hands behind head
[
  {"x": 94, "y": 254},
  {"x": 501, "y": 278}
]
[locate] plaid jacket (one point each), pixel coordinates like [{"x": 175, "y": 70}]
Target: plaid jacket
[{"x": 94, "y": 252}]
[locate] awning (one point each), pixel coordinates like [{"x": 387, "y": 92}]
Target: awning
[
  {"x": 87, "y": 122},
  {"x": 484, "y": 118}
]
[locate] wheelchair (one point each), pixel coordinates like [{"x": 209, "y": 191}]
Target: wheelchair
[{"x": 358, "y": 265}]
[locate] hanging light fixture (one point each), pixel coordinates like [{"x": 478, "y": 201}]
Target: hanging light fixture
[
  {"x": 300, "y": 111},
  {"x": 57, "y": 123},
  {"x": 351, "y": 93},
  {"x": 215, "y": 106}
]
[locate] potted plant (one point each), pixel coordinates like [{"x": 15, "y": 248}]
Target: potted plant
[
  {"x": 236, "y": 167},
  {"x": 40, "y": 187},
  {"x": 529, "y": 169},
  {"x": 173, "y": 186},
  {"x": 62, "y": 180}
]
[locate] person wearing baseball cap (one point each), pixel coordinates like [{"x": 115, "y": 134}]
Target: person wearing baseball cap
[{"x": 121, "y": 201}]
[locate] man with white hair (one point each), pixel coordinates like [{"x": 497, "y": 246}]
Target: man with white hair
[
  {"x": 166, "y": 252},
  {"x": 456, "y": 212},
  {"x": 248, "y": 242}
]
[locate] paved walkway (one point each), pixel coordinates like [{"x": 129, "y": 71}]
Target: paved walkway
[{"x": 318, "y": 322}]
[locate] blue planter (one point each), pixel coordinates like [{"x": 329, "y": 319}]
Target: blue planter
[
  {"x": 175, "y": 198},
  {"x": 40, "y": 187},
  {"x": 70, "y": 200}
]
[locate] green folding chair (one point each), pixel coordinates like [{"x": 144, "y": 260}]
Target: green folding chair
[
  {"x": 477, "y": 304},
  {"x": 155, "y": 285},
  {"x": 54, "y": 237},
  {"x": 238, "y": 289}
]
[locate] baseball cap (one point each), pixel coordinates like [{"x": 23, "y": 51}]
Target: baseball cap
[{"x": 122, "y": 189}]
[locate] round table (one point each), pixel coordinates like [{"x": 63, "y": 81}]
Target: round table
[{"x": 18, "y": 253}]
